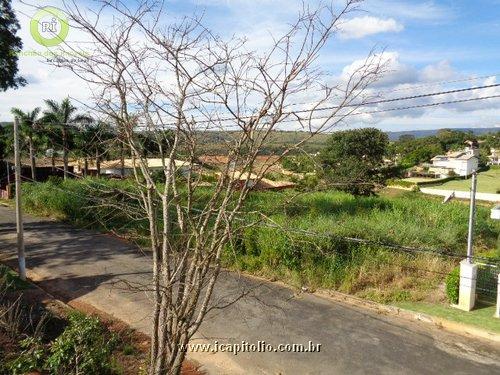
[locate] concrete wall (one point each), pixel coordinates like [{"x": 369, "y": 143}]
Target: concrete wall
[{"x": 462, "y": 194}]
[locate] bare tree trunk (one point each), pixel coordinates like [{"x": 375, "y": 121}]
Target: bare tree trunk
[
  {"x": 98, "y": 163},
  {"x": 85, "y": 166},
  {"x": 122, "y": 159},
  {"x": 65, "y": 149},
  {"x": 216, "y": 85},
  {"x": 53, "y": 161},
  {"x": 32, "y": 159}
]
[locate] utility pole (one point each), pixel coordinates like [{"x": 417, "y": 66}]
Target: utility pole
[
  {"x": 472, "y": 215},
  {"x": 19, "y": 213}
]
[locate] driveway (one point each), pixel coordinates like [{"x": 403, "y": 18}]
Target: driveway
[{"x": 85, "y": 266}]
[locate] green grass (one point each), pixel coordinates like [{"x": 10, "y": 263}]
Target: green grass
[
  {"x": 481, "y": 317},
  {"x": 12, "y": 279},
  {"x": 408, "y": 219},
  {"x": 487, "y": 182}
]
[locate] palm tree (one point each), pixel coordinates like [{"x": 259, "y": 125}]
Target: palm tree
[
  {"x": 29, "y": 123},
  {"x": 92, "y": 140},
  {"x": 62, "y": 116}
]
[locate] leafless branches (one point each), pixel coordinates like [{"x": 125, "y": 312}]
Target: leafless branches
[{"x": 183, "y": 78}]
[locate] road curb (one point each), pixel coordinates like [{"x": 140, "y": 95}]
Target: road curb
[{"x": 448, "y": 325}]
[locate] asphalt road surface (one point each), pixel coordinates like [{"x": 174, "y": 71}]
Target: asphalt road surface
[{"x": 97, "y": 269}]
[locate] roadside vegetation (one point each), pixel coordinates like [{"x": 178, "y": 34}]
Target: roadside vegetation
[{"x": 37, "y": 338}]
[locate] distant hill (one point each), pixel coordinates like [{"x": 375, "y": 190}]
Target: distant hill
[
  {"x": 394, "y": 136},
  {"x": 211, "y": 141}
]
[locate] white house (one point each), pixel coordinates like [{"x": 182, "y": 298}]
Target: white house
[
  {"x": 494, "y": 157},
  {"x": 462, "y": 163}
]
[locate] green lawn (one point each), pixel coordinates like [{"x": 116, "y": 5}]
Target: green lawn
[
  {"x": 487, "y": 182},
  {"x": 481, "y": 317}
]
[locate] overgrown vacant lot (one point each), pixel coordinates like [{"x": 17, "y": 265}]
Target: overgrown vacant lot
[
  {"x": 299, "y": 236},
  {"x": 487, "y": 182}
]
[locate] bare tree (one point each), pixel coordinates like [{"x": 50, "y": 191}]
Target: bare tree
[{"x": 181, "y": 77}]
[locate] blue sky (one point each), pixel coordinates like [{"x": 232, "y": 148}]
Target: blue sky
[{"x": 425, "y": 42}]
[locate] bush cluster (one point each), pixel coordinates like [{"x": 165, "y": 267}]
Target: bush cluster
[
  {"x": 84, "y": 347},
  {"x": 453, "y": 285}
]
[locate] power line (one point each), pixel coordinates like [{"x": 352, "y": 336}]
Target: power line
[
  {"x": 404, "y": 98},
  {"x": 381, "y": 101},
  {"x": 411, "y": 87},
  {"x": 400, "y": 108}
]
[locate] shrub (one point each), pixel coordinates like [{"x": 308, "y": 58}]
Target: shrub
[
  {"x": 83, "y": 348},
  {"x": 453, "y": 285},
  {"x": 30, "y": 359}
]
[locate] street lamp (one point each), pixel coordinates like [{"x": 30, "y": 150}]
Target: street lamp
[{"x": 468, "y": 270}]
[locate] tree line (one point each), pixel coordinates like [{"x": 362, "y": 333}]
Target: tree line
[
  {"x": 60, "y": 130},
  {"x": 353, "y": 160}
]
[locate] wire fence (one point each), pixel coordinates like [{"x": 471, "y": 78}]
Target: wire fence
[{"x": 487, "y": 282}]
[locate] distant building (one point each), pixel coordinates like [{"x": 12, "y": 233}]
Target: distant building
[
  {"x": 114, "y": 167},
  {"x": 494, "y": 157},
  {"x": 461, "y": 163}
]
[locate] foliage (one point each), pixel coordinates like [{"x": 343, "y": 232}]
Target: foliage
[
  {"x": 299, "y": 163},
  {"x": 10, "y": 280},
  {"x": 213, "y": 142},
  {"x": 10, "y": 46},
  {"x": 83, "y": 348},
  {"x": 309, "y": 182},
  {"x": 292, "y": 252},
  {"x": 80, "y": 202},
  {"x": 453, "y": 285},
  {"x": 31, "y": 358},
  {"x": 150, "y": 142},
  {"x": 410, "y": 151},
  {"x": 351, "y": 159},
  {"x": 59, "y": 120}
]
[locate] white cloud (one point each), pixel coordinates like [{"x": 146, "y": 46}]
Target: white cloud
[
  {"x": 396, "y": 72},
  {"x": 442, "y": 71},
  {"x": 359, "y": 27}
]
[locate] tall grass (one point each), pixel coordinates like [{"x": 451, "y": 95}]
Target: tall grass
[
  {"x": 292, "y": 253},
  {"x": 287, "y": 252},
  {"x": 93, "y": 203},
  {"x": 410, "y": 220}
]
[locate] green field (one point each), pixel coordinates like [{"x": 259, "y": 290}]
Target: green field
[{"x": 487, "y": 182}]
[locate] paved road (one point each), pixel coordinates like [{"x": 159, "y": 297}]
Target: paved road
[{"x": 85, "y": 266}]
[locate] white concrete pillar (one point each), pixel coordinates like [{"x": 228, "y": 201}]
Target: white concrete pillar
[
  {"x": 497, "y": 311},
  {"x": 467, "y": 292}
]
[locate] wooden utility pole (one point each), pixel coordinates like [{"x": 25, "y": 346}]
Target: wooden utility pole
[{"x": 19, "y": 212}]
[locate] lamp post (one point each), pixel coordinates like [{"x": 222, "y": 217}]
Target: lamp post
[{"x": 472, "y": 216}]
